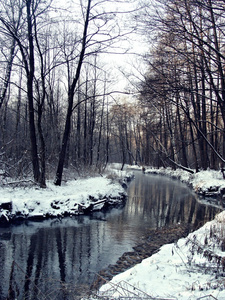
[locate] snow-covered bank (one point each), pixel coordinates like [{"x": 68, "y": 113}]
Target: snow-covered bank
[
  {"x": 206, "y": 183},
  {"x": 73, "y": 197},
  {"x": 77, "y": 196},
  {"x": 192, "y": 268}
]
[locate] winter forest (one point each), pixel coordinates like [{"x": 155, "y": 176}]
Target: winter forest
[{"x": 62, "y": 104}]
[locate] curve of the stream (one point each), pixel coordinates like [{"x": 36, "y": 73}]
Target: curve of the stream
[{"x": 59, "y": 259}]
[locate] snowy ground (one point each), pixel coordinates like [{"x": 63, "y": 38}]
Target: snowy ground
[
  {"x": 73, "y": 197},
  {"x": 192, "y": 268},
  {"x": 207, "y": 183}
]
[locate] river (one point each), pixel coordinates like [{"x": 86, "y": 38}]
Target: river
[{"x": 59, "y": 258}]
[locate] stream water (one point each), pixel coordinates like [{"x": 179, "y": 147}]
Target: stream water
[{"x": 58, "y": 259}]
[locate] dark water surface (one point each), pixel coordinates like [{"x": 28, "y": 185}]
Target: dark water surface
[{"x": 57, "y": 259}]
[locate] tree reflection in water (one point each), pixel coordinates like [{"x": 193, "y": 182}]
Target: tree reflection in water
[{"x": 58, "y": 259}]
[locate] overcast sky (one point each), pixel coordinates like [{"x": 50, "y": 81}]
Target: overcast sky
[{"x": 119, "y": 67}]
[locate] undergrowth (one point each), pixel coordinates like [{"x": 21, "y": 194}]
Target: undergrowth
[{"x": 206, "y": 256}]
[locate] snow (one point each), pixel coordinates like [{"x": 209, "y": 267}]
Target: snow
[
  {"x": 73, "y": 197},
  {"x": 205, "y": 182},
  {"x": 191, "y": 268}
]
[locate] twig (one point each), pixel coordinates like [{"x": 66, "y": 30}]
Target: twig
[
  {"x": 207, "y": 296},
  {"x": 174, "y": 248},
  {"x": 28, "y": 278},
  {"x": 19, "y": 182},
  {"x": 118, "y": 286}
]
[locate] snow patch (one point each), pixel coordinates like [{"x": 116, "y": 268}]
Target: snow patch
[
  {"x": 74, "y": 197},
  {"x": 192, "y": 268}
]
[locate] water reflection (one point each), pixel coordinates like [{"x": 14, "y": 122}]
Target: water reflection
[
  {"x": 55, "y": 259},
  {"x": 163, "y": 201}
]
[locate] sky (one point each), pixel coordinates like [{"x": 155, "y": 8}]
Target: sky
[{"x": 122, "y": 61}]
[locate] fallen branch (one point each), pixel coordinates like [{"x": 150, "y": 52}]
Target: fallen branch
[
  {"x": 180, "y": 166},
  {"x": 20, "y": 182},
  {"x": 206, "y": 296}
]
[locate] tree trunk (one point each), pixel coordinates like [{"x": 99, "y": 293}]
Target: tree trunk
[
  {"x": 8, "y": 73},
  {"x": 66, "y": 134},
  {"x": 65, "y": 139},
  {"x": 30, "y": 78}
]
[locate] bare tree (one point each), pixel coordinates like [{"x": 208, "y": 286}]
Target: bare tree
[
  {"x": 24, "y": 34},
  {"x": 99, "y": 33},
  {"x": 71, "y": 91},
  {"x": 186, "y": 75}
]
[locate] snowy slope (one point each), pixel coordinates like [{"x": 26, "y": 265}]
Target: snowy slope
[
  {"x": 71, "y": 198},
  {"x": 192, "y": 268}
]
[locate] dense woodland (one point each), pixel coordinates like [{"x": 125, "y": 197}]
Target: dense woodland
[
  {"x": 59, "y": 107},
  {"x": 183, "y": 96}
]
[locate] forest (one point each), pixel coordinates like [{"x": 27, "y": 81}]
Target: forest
[{"x": 59, "y": 105}]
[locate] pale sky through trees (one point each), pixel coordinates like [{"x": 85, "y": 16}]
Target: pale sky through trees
[
  {"x": 72, "y": 60},
  {"x": 122, "y": 61},
  {"x": 66, "y": 51}
]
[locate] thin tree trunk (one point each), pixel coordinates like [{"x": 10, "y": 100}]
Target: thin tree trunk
[
  {"x": 8, "y": 73},
  {"x": 183, "y": 146},
  {"x": 30, "y": 79},
  {"x": 100, "y": 130},
  {"x": 66, "y": 134}
]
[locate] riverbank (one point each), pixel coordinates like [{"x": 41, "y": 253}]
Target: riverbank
[
  {"x": 147, "y": 246},
  {"x": 208, "y": 183},
  {"x": 24, "y": 200},
  {"x": 193, "y": 267}
]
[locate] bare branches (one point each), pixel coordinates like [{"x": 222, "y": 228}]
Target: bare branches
[{"x": 185, "y": 83}]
